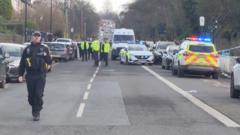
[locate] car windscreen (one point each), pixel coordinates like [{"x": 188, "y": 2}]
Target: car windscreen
[
  {"x": 13, "y": 51},
  {"x": 136, "y": 48},
  {"x": 56, "y": 47},
  {"x": 201, "y": 48},
  {"x": 123, "y": 39}
]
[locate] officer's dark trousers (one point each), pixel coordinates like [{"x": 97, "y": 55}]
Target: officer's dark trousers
[
  {"x": 96, "y": 58},
  {"x": 101, "y": 56},
  {"x": 35, "y": 86},
  {"x": 105, "y": 57},
  {"x": 89, "y": 54},
  {"x": 84, "y": 55},
  {"x": 80, "y": 53}
]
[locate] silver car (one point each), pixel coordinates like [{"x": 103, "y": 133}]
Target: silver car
[{"x": 60, "y": 51}]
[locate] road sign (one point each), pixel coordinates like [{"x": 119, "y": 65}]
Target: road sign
[
  {"x": 202, "y": 20},
  {"x": 72, "y": 30}
]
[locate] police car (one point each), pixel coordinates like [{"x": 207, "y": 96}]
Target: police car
[
  {"x": 235, "y": 80},
  {"x": 196, "y": 55},
  {"x": 136, "y": 54}
]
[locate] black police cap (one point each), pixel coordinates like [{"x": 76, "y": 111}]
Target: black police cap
[{"x": 36, "y": 34}]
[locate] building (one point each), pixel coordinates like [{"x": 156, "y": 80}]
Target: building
[{"x": 106, "y": 28}]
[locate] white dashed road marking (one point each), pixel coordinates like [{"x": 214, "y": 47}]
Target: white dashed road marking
[
  {"x": 80, "y": 110},
  {"x": 89, "y": 86},
  {"x": 86, "y": 93},
  {"x": 91, "y": 80},
  {"x": 211, "y": 111}
]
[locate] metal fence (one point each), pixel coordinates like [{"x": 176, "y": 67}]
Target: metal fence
[{"x": 228, "y": 59}]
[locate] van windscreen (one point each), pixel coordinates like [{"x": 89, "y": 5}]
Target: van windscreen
[{"x": 123, "y": 39}]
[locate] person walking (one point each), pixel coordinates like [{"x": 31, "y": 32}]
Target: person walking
[
  {"x": 35, "y": 60},
  {"x": 106, "y": 49},
  {"x": 95, "y": 50}
]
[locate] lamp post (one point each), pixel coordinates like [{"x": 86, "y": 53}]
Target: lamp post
[
  {"x": 51, "y": 17},
  {"x": 25, "y": 19}
]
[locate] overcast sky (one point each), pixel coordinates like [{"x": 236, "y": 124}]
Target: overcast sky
[{"x": 117, "y": 5}]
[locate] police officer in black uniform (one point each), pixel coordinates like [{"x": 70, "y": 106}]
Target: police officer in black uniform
[{"x": 35, "y": 60}]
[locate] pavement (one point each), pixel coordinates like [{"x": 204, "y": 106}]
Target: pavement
[{"x": 81, "y": 99}]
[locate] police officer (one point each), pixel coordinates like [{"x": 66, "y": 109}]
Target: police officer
[
  {"x": 35, "y": 59},
  {"x": 95, "y": 50},
  {"x": 80, "y": 49},
  {"x": 106, "y": 49},
  {"x": 84, "y": 47},
  {"x": 90, "y": 50}
]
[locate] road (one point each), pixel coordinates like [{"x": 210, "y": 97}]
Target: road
[{"x": 121, "y": 99}]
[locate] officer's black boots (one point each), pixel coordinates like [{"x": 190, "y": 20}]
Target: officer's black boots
[{"x": 36, "y": 116}]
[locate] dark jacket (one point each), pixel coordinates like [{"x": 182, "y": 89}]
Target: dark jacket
[{"x": 34, "y": 60}]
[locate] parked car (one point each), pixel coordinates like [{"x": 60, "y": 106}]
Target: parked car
[
  {"x": 136, "y": 54},
  {"x": 9, "y": 64},
  {"x": 72, "y": 44},
  {"x": 168, "y": 55},
  {"x": 196, "y": 56},
  {"x": 60, "y": 51},
  {"x": 159, "y": 50},
  {"x": 235, "y": 80},
  {"x": 14, "y": 51}
]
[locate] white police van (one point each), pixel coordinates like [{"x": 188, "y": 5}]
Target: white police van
[{"x": 120, "y": 39}]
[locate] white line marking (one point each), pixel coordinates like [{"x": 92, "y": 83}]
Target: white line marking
[
  {"x": 192, "y": 91},
  {"x": 89, "y": 86},
  {"x": 86, "y": 94},
  {"x": 80, "y": 110},
  {"x": 91, "y": 80},
  {"x": 211, "y": 111}
]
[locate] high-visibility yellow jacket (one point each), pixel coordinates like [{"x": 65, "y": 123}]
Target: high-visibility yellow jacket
[
  {"x": 96, "y": 46},
  {"x": 106, "y": 47},
  {"x": 82, "y": 45}
]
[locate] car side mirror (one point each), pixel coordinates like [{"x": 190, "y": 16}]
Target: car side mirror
[{"x": 238, "y": 60}]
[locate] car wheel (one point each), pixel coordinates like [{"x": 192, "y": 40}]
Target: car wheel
[
  {"x": 233, "y": 92},
  {"x": 174, "y": 72},
  {"x": 2, "y": 84},
  {"x": 168, "y": 67},
  {"x": 180, "y": 72},
  {"x": 215, "y": 75}
]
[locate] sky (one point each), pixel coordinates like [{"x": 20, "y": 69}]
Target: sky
[{"x": 117, "y": 5}]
